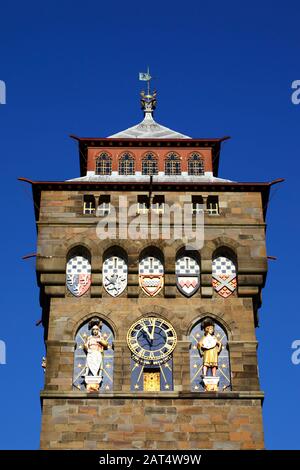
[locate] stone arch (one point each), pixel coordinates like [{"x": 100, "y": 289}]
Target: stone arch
[
  {"x": 77, "y": 250},
  {"x": 230, "y": 326},
  {"x": 75, "y": 323},
  {"x": 118, "y": 245},
  {"x": 212, "y": 245},
  {"x": 115, "y": 250},
  {"x": 78, "y": 240},
  {"x": 152, "y": 250},
  {"x": 182, "y": 251}
]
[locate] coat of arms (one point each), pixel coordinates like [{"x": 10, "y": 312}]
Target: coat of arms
[
  {"x": 187, "y": 275},
  {"x": 224, "y": 276},
  {"x": 114, "y": 275},
  {"x": 151, "y": 275},
  {"x": 78, "y": 275}
]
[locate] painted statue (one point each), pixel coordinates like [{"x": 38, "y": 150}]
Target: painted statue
[
  {"x": 94, "y": 347},
  {"x": 209, "y": 347}
]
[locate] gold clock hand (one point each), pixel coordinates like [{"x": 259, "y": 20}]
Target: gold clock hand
[
  {"x": 153, "y": 328},
  {"x": 145, "y": 328}
]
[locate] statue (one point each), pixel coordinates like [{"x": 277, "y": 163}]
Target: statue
[
  {"x": 94, "y": 346},
  {"x": 209, "y": 348}
]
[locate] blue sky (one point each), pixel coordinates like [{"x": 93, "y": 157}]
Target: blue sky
[{"x": 222, "y": 68}]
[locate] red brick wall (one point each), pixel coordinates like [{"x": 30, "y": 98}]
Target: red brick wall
[{"x": 139, "y": 152}]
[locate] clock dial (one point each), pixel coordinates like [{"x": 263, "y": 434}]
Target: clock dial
[{"x": 151, "y": 340}]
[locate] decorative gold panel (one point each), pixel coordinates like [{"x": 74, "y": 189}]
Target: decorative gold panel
[{"x": 152, "y": 381}]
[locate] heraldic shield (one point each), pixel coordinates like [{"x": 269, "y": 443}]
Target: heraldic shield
[
  {"x": 224, "y": 276},
  {"x": 151, "y": 275},
  {"x": 78, "y": 275},
  {"x": 187, "y": 275},
  {"x": 115, "y": 275}
]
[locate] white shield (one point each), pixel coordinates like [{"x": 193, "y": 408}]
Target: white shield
[
  {"x": 78, "y": 275},
  {"x": 187, "y": 275},
  {"x": 114, "y": 275},
  {"x": 151, "y": 275},
  {"x": 224, "y": 276}
]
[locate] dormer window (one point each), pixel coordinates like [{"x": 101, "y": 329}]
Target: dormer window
[
  {"x": 103, "y": 164},
  {"x": 89, "y": 205},
  {"x": 126, "y": 164},
  {"x": 149, "y": 164},
  {"x": 195, "y": 164},
  {"x": 172, "y": 164}
]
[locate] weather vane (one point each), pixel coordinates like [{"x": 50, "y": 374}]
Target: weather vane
[{"x": 146, "y": 77}]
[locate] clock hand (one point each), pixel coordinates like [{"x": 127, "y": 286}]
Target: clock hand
[
  {"x": 145, "y": 328},
  {"x": 153, "y": 328}
]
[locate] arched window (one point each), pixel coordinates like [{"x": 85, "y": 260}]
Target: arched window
[
  {"x": 187, "y": 271},
  {"x": 114, "y": 272},
  {"x": 149, "y": 164},
  {"x": 224, "y": 278},
  {"x": 94, "y": 366},
  {"x": 172, "y": 164},
  {"x": 195, "y": 164},
  {"x": 126, "y": 164},
  {"x": 202, "y": 379},
  {"x": 151, "y": 272},
  {"x": 78, "y": 271},
  {"x": 151, "y": 340},
  {"x": 103, "y": 164}
]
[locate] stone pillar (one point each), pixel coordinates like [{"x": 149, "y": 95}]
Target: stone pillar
[
  {"x": 122, "y": 371},
  {"x": 181, "y": 366},
  {"x": 60, "y": 364},
  {"x": 243, "y": 363}
]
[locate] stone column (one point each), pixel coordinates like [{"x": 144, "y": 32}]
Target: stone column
[
  {"x": 243, "y": 363},
  {"x": 122, "y": 371},
  {"x": 60, "y": 364},
  {"x": 181, "y": 366}
]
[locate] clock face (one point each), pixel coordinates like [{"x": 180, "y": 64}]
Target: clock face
[{"x": 151, "y": 340}]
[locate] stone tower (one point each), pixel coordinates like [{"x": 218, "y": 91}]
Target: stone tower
[{"x": 126, "y": 292}]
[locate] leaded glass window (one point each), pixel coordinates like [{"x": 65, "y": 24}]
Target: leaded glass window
[
  {"x": 172, "y": 164},
  {"x": 126, "y": 164},
  {"x": 195, "y": 164},
  {"x": 103, "y": 164},
  {"x": 149, "y": 164}
]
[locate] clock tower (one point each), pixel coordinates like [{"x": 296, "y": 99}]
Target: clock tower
[{"x": 150, "y": 268}]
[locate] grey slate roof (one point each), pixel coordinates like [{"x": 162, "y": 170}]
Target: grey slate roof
[{"x": 149, "y": 129}]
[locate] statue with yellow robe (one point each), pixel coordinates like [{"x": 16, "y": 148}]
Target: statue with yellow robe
[{"x": 209, "y": 348}]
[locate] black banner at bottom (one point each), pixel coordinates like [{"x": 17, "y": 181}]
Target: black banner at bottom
[{"x": 131, "y": 459}]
